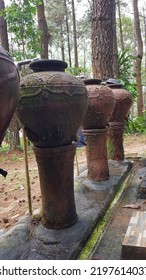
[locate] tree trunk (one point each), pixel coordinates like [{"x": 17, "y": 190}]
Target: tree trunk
[
  {"x": 3, "y": 28},
  {"x": 68, "y": 37},
  {"x": 84, "y": 49},
  {"x": 139, "y": 55},
  {"x": 115, "y": 48},
  {"x": 62, "y": 43},
  {"x": 120, "y": 26},
  {"x": 144, "y": 19},
  {"x": 14, "y": 139},
  {"x": 102, "y": 38},
  {"x": 74, "y": 35},
  {"x": 44, "y": 30}
]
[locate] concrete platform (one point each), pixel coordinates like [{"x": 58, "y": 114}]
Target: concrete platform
[{"x": 30, "y": 240}]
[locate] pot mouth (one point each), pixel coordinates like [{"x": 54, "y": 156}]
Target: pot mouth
[
  {"x": 92, "y": 81},
  {"x": 48, "y": 65},
  {"x": 113, "y": 83}
]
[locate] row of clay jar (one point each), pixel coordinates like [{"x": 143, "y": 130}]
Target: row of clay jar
[
  {"x": 103, "y": 126},
  {"x": 51, "y": 106}
]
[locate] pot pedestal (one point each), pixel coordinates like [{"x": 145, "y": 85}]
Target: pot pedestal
[
  {"x": 96, "y": 153},
  {"x": 56, "y": 173},
  {"x": 115, "y": 140}
]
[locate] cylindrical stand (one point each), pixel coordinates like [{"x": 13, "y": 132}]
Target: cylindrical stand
[
  {"x": 56, "y": 169},
  {"x": 96, "y": 153},
  {"x": 115, "y": 140}
]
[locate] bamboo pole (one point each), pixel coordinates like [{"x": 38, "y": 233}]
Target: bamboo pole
[
  {"x": 27, "y": 172},
  {"x": 78, "y": 173}
]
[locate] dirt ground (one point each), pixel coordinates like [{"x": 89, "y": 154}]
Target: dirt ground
[{"x": 13, "y": 188}]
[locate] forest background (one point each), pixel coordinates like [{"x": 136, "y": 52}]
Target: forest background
[{"x": 72, "y": 30}]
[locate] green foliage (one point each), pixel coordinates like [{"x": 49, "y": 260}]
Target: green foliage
[
  {"x": 126, "y": 77},
  {"x": 55, "y": 16},
  {"x": 127, "y": 30},
  {"x": 3, "y": 149},
  {"x": 76, "y": 71},
  {"x": 137, "y": 125},
  {"x": 126, "y": 74},
  {"x": 20, "y": 17},
  {"x": 56, "y": 21}
]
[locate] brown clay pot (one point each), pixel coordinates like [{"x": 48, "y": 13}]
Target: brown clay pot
[
  {"x": 9, "y": 88},
  {"x": 100, "y": 107},
  {"x": 123, "y": 103},
  {"x": 52, "y": 104}
]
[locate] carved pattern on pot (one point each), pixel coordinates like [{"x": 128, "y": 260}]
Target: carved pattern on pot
[{"x": 57, "y": 97}]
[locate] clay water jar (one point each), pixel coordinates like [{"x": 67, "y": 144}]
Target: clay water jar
[
  {"x": 9, "y": 88},
  {"x": 123, "y": 103},
  {"x": 51, "y": 107},
  {"x": 52, "y": 104},
  {"x": 100, "y": 107}
]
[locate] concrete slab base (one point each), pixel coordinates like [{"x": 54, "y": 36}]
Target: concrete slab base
[{"x": 28, "y": 239}]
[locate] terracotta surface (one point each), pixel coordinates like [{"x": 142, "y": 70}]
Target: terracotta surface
[
  {"x": 9, "y": 86},
  {"x": 54, "y": 101},
  {"x": 123, "y": 103},
  {"x": 96, "y": 153},
  {"x": 100, "y": 107},
  {"x": 52, "y": 106},
  {"x": 56, "y": 173},
  {"x": 115, "y": 140}
]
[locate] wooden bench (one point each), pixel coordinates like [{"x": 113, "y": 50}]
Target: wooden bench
[{"x": 134, "y": 244}]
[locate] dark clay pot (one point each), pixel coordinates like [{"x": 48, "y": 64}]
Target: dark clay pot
[
  {"x": 100, "y": 106},
  {"x": 9, "y": 87},
  {"x": 52, "y": 104},
  {"x": 123, "y": 102}
]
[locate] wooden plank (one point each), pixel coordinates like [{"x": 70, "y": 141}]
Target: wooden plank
[{"x": 134, "y": 243}]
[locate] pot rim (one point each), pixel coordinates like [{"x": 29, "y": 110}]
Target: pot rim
[
  {"x": 48, "y": 65},
  {"x": 92, "y": 81},
  {"x": 114, "y": 86},
  {"x": 113, "y": 83}
]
